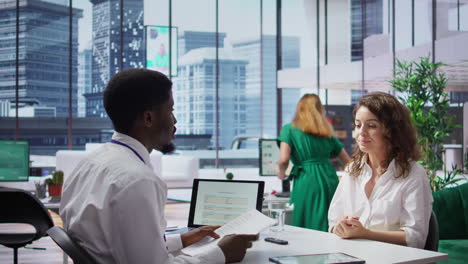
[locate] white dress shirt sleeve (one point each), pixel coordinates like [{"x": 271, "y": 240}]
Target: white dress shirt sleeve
[
  {"x": 137, "y": 231},
  {"x": 335, "y": 212},
  {"x": 416, "y": 207},
  {"x": 213, "y": 255},
  {"x": 174, "y": 242}
]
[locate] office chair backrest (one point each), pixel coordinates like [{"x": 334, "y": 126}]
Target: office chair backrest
[
  {"x": 72, "y": 249},
  {"x": 19, "y": 206},
  {"x": 432, "y": 241}
]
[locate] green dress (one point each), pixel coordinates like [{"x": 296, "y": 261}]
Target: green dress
[{"x": 314, "y": 178}]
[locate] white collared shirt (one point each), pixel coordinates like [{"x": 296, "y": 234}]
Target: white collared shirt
[
  {"x": 394, "y": 204},
  {"x": 113, "y": 205}
]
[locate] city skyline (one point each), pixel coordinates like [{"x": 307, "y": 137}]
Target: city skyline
[
  {"x": 43, "y": 55},
  {"x": 96, "y": 45},
  {"x": 380, "y": 26}
]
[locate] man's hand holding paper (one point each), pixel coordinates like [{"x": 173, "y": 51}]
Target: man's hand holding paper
[{"x": 248, "y": 224}]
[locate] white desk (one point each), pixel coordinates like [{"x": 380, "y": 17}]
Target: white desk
[{"x": 305, "y": 241}]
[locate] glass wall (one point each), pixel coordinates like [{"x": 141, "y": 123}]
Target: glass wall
[
  {"x": 222, "y": 60},
  {"x": 239, "y": 71},
  {"x": 297, "y": 50}
]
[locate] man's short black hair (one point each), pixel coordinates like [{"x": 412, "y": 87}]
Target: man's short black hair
[{"x": 131, "y": 92}]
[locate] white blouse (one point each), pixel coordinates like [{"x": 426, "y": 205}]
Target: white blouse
[
  {"x": 113, "y": 205},
  {"x": 394, "y": 204}
]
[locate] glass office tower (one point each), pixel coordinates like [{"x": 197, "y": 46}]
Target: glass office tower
[
  {"x": 43, "y": 54},
  {"x": 345, "y": 51},
  {"x": 114, "y": 47},
  {"x": 195, "y": 95},
  {"x": 250, "y": 51}
]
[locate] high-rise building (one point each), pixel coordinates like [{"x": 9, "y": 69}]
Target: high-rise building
[
  {"x": 109, "y": 41},
  {"x": 250, "y": 51},
  {"x": 43, "y": 53},
  {"x": 59, "y": 2},
  {"x": 195, "y": 95},
  {"x": 5, "y": 107},
  {"x": 458, "y": 97},
  {"x": 366, "y": 20},
  {"x": 85, "y": 59},
  {"x": 368, "y": 12},
  {"x": 356, "y": 96},
  {"x": 189, "y": 40}
]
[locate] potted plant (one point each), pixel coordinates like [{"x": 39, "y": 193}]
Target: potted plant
[
  {"x": 422, "y": 85},
  {"x": 55, "y": 184},
  {"x": 229, "y": 176}
]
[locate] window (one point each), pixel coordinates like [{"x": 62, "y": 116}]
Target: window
[{"x": 350, "y": 54}]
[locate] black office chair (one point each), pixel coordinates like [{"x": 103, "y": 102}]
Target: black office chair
[
  {"x": 432, "y": 241},
  {"x": 77, "y": 253},
  {"x": 21, "y": 207}
]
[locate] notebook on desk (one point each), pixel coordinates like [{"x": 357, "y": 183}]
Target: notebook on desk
[{"x": 216, "y": 202}]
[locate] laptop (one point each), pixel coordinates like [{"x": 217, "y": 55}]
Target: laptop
[{"x": 216, "y": 202}]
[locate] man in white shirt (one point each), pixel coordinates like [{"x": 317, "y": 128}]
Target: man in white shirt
[{"x": 113, "y": 203}]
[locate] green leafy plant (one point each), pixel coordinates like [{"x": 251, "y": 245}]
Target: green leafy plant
[
  {"x": 57, "y": 178},
  {"x": 465, "y": 163},
  {"x": 422, "y": 85},
  {"x": 229, "y": 176},
  {"x": 450, "y": 178}
]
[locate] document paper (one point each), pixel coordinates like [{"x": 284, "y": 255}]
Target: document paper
[{"x": 251, "y": 222}]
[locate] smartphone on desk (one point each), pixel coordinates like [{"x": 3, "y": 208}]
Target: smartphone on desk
[{"x": 276, "y": 241}]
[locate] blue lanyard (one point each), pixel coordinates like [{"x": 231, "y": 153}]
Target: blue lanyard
[{"x": 130, "y": 148}]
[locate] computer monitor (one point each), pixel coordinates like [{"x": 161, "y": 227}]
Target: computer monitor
[
  {"x": 14, "y": 160},
  {"x": 269, "y": 156},
  {"x": 216, "y": 202}
]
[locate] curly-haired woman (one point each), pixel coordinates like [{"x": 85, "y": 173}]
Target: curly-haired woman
[{"x": 386, "y": 195}]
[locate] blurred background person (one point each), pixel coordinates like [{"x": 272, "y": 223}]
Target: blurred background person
[
  {"x": 309, "y": 143},
  {"x": 386, "y": 195}
]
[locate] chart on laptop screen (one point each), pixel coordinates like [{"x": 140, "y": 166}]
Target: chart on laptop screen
[{"x": 219, "y": 202}]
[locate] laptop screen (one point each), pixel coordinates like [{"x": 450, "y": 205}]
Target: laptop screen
[{"x": 216, "y": 202}]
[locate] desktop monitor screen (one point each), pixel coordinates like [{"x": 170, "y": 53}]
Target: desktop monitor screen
[
  {"x": 269, "y": 156},
  {"x": 216, "y": 202},
  {"x": 157, "y": 49},
  {"x": 14, "y": 160}
]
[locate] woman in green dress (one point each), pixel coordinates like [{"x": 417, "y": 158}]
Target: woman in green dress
[{"x": 309, "y": 143}]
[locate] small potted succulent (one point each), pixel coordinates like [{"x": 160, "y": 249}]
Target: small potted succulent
[
  {"x": 229, "y": 175},
  {"x": 55, "y": 184}
]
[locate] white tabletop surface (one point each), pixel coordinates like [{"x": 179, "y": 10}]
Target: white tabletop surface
[{"x": 304, "y": 241}]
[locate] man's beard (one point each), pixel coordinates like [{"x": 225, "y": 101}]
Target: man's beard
[{"x": 167, "y": 149}]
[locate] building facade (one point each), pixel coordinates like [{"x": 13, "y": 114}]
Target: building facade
[
  {"x": 366, "y": 20},
  {"x": 195, "y": 95},
  {"x": 189, "y": 40},
  {"x": 48, "y": 135},
  {"x": 257, "y": 125},
  {"x": 114, "y": 47},
  {"x": 85, "y": 59},
  {"x": 43, "y": 54}
]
